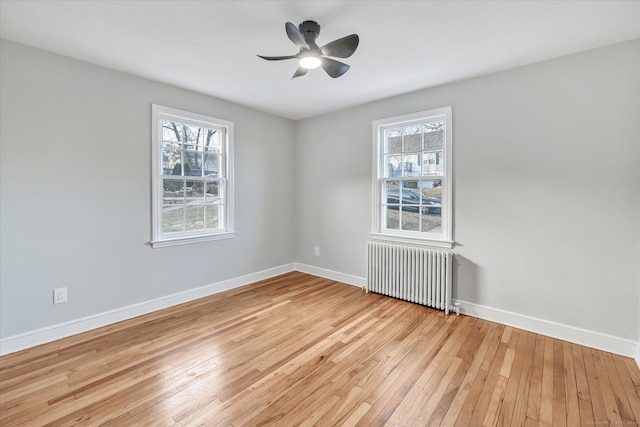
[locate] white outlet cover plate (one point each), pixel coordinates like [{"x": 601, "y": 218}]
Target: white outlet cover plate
[{"x": 59, "y": 295}]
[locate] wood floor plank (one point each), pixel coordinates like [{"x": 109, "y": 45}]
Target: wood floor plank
[
  {"x": 546, "y": 397},
  {"x": 571, "y": 388},
  {"x": 517, "y": 393},
  {"x": 582, "y": 384},
  {"x": 473, "y": 361},
  {"x": 466, "y": 354},
  {"x": 622, "y": 402},
  {"x": 420, "y": 401},
  {"x": 627, "y": 384},
  {"x": 609, "y": 398},
  {"x": 595, "y": 390},
  {"x": 491, "y": 384},
  {"x": 299, "y": 350},
  {"x": 535, "y": 393},
  {"x": 509, "y": 399},
  {"x": 462, "y": 416},
  {"x": 559, "y": 391}
]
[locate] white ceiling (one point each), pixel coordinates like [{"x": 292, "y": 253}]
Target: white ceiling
[{"x": 211, "y": 46}]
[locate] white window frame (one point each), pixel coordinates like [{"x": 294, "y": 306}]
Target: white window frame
[
  {"x": 443, "y": 240},
  {"x": 159, "y": 239}
]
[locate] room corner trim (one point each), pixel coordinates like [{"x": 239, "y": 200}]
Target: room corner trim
[
  {"x": 597, "y": 340},
  {"x": 36, "y": 337}
]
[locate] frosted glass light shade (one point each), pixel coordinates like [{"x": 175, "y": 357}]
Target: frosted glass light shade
[{"x": 310, "y": 62}]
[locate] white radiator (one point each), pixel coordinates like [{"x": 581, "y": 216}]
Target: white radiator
[{"x": 412, "y": 274}]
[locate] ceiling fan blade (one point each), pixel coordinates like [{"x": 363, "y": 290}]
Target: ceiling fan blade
[
  {"x": 277, "y": 58},
  {"x": 295, "y": 36},
  {"x": 341, "y": 48},
  {"x": 299, "y": 72},
  {"x": 334, "y": 68}
]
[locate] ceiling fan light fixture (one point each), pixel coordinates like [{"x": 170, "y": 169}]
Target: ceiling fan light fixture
[{"x": 310, "y": 62}]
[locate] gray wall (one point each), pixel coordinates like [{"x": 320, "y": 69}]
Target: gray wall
[
  {"x": 546, "y": 187},
  {"x": 76, "y": 190}
]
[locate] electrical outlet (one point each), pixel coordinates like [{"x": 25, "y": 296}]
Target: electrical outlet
[
  {"x": 59, "y": 295},
  {"x": 317, "y": 251}
]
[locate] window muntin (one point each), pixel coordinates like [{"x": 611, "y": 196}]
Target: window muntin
[
  {"x": 192, "y": 181},
  {"x": 412, "y": 182}
]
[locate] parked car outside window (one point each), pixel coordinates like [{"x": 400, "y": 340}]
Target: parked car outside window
[{"x": 411, "y": 201}]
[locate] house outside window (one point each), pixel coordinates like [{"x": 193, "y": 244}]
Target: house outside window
[
  {"x": 412, "y": 178},
  {"x": 192, "y": 177}
]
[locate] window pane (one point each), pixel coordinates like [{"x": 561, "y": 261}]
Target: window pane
[
  {"x": 196, "y": 167},
  {"x": 195, "y": 189},
  {"x": 194, "y": 214},
  {"x": 410, "y": 220},
  {"x": 212, "y": 191},
  {"x": 392, "y": 217},
  {"x": 411, "y": 193},
  {"x": 173, "y": 191},
  {"x": 432, "y": 222},
  {"x": 172, "y": 219},
  {"x": 213, "y": 213},
  {"x": 170, "y": 158},
  {"x": 171, "y": 131},
  {"x": 432, "y": 162},
  {"x": 213, "y": 140},
  {"x": 393, "y": 165},
  {"x": 193, "y": 163},
  {"x": 211, "y": 164},
  {"x": 192, "y": 135},
  {"x": 413, "y": 142},
  {"x": 410, "y": 165},
  {"x": 432, "y": 189},
  {"x": 434, "y": 136},
  {"x": 392, "y": 192},
  {"x": 393, "y": 138}
]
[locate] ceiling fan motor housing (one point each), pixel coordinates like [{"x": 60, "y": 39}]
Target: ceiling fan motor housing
[{"x": 310, "y": 31}]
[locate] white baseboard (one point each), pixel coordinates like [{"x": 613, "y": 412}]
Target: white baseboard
[
  {"x": 331, "y": 275},
  {"x": 572, "y": 334},
  {"x": 51, "y": 333}
]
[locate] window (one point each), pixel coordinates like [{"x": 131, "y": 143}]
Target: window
[
  {"x": 192, "y": 177},
  {"x": 412, "y": 178}
]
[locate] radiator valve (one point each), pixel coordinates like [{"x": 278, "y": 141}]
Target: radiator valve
[{"x": 456, "y": 308}]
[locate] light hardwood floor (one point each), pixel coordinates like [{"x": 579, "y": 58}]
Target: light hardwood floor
[{"x": 301, "y": 350}]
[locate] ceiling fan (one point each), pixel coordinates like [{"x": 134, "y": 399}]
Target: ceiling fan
[{"x": 311, "y": 56}]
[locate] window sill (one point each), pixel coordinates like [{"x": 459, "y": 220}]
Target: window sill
[
  {"x": 423, "y": 242},
  {"x": 191, "y": 239}
]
